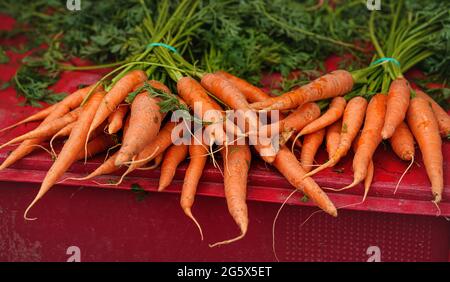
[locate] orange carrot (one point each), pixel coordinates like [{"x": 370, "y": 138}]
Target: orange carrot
[
  {"x": 424, "y": 126},
  {"x": 311, "y": 144},
  {"x": 402, "y": 142},
  {"x": 351, "y": 123},
  {"x": 370, "y": 137},
  {"x": 288, "y": 165},
  {"x": 441, "y": 115},
  {"x": 47, "y": 129},
  {"x": 370, "y": 171},
  {"x": 198, "y": 155},
  {"x": 332, "y": 138},
  {"x": 334, "y": 112},
  {"x": 336, "y": 83},
  {"x": 396, "y": 106},
  {"x": 74, "y": 144},
  {"x": 236, "y": 167},
  {"x": 117, "y": 95},
  {"x": 96, "y": 146},
  {"x": 252, "y": 93},
  {"x": 116, "y": 119},
  {"x": 145, "y": 122},
  {"x": 35, "y": 117},
  {"x": 173, "y": 157}
]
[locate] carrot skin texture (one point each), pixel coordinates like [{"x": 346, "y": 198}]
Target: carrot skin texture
[
  {"x": 332, "y": 138},
  {"x": 334, "y": 113},
  {"x": 424, "y": 127},
  {"x": 402, "y": 142},
  {"x": 252, "y": 93},
  {"x": 311, "y": 144},
  {"x": 173, "y": 157},
  {"x": 288, "y": 165},
  {"x": 116, "y": 119},
  {"x": 396, "y": 106},
  {"x": 336, "y": 83},
  {"x": 442, "y": 116}
]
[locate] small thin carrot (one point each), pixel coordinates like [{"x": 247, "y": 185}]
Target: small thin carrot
[
  {"x": 96, "y": 146},
  {"x": 396, "y": 106},
  {"x": 237, "y": 164},
  {"x": 336, "y": 83},
  {"x": 35, "y": 117},
  {"x": 198, "y": 154},
  {"x": 288, "y": 165},
  {"x": 424, "y": 126},
  {"x": 442, "y": 116},
  {"x": 370, "y": 171},
  {"x": 115, "y": 120},
  {"x": 352, "y": 121},
  {"x": 310, "y": 146},
  {"x": 173, "y": 157},
  {"x": 332, "y": 138},
  {"x": 71, "y": 148},
  {"x": 334, "y": 112},
  {"x": 402, "y": 142}
]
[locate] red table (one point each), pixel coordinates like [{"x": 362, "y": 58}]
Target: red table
[{"x": 113, "y": 223}]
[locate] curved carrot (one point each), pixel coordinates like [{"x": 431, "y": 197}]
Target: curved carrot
[
  {"x": 402, "y": 142},
  {"x": 396, "y": 106},
  {"x": 352, "y": 121},
  {"x": 370, "y": 171},
  {"x": 74, "y": 144},
  {"x": 370, "y": 137},
  {"x": 334, "y": 112},
  {"x": 96, "y": 146},
  {"x": 311, "y": 144},
  {"x": 115, "y": 120},
  {"x": 442, "y": 117},
  {"x": 424, "y": 126},
  {"x": 173, "y": 157},
  {"x": 332, "y": 138},
  {"x": 333, "y": 84},
  {"x": 288, "y": 165},
  {"x": 198, "y": 155},
  {"x": 236, "y": 167}
]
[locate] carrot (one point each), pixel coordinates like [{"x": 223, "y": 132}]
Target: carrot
[
  {"x": 396, "y": 106},
  {"x": 252, "y": 93},
  {"x": 311, "y": 144},
  {"x": 237, "y": 165},
  {"x": 145, "y": 122},
  {"x": 115, "y": 119},
  {"x": 370, "y": 170},
  {"x": 352, "y": 121},
  {"x": 173, "y": 157},
  {"x": 231, "y": 96},
  {"x": 74, "y": 144},
  {"x": 70, "y": 102},
  {"x": 288, "y": 165},
  {"x": 442, "y": 117},
  {"x": 424, "y": 127},
  {"x": 116, "y": 95},
  {"x": 334, "y": 112},
  {"x": 97, "y": 145},
  {"x": 198, "y": 155},
  {"x": 47, "y": 129},
  {"x": 332, "y": 138},
  {"x": 370, "y": 137},
  {"x": 402, "y": 142},
  {"x": 336, "y": 83},
  {"x": 35, "y": 117}
]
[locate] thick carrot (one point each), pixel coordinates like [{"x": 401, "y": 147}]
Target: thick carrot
[
  {"x": 311, "y": 144},
  {"x": 334, "y": 112},
  {"x": 424, "y": 126},
  {"x": 74, "y": 144},
  {"x": 96, "y": 146},
  {"x": 288, "y": 165},
  {"x": 332, "y": 138},
  {"x": 70, "y": 102},
  {"x": 402, "y": 142},
  {"x": 198, "y": 155},
  {"x": 336, "y": 83},
  {"x": 47, "y": 129},
  {"x": 145, "y": 122},
  {"x": 35, "y": 117},
  {"x": 173, "y": 157},
  {"x": 370, "y": 137},
  {"x": 117, "y": 95},
  {"x": 236, "y": 166},
  {"x": 396, "y": 106},
  {"x": 352, "y": 121},
  {"x": 115, "y": 120},
  {"x": 442, "y": 117},
  {"x": 252, "y": 93}
]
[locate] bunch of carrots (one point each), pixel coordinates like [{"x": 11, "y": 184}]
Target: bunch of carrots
[{"x": 130, "y": 113}]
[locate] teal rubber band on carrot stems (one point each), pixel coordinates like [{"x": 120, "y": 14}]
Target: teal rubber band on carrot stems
[
  {"x": 386, "y": 59},
  {"x": 159, "y": 44}
]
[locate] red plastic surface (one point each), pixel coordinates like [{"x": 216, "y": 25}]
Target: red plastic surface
[{"x": 98, "y": 215}]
